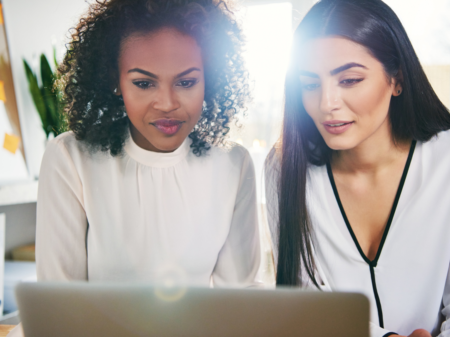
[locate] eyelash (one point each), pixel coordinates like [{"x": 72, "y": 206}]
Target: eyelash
[
  {"x": 351, "y": 81},
  {"x": 347, "y": 82},
  {"x": 190, "y": 84},
  {"x": 310, "y": 87},
  {"x": 186, "y": 84},
  {"x": 143, "y": 84}
]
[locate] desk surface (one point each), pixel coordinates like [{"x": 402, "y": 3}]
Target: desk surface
[{"x": 5, "y": 329}]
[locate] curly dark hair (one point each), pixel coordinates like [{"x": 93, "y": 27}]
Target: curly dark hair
[{"x": 89, "y": 72}]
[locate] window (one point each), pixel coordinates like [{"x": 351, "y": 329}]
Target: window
[
  {"x": 268, "y": 29},
  {"x": 428, "y": 26}
]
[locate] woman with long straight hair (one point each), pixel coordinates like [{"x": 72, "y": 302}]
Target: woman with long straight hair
[{"x": 356, "y": 188}]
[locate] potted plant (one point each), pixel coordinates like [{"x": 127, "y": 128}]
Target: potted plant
[{"x": 46, "y": 97}]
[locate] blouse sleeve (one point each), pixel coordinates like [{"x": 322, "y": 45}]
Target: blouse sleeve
[
  {"x": 239, "y": 258},
  {"x": 445, "y": 327},
  {"x": 61, "y": 220},
  {"x": 376, "y": 331},
  {"x": 271, "y": 174}
]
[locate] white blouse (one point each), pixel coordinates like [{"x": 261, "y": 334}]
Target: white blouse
[
  {"x": 147, "y": 216},
  {"x": 409, "y": 284}
]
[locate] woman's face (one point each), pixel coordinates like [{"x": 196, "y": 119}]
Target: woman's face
[
  {"x": 346, "y": 92},
  {"x": 162, "y": 84}
]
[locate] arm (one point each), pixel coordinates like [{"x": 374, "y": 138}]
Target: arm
[
  {"x": 271, "y": 176},
  {"x": 445, "y": 327},
  {"x": 239, "y": 258},
  {"x": 61, "y": 220}
]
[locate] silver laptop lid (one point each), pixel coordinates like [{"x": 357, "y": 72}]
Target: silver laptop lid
[{"x": 98, "y": 309}]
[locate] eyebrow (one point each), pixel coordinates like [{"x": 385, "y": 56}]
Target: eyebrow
[
  {"x": 334, "y": 71},
  {"x": 149, "y": 74},
  {"x": 184, "y": 73},
  {"x": 308, "y": 73},
  {"x": 345, "y": 67}
]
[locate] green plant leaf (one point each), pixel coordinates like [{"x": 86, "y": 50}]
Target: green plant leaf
[
  {"x": 49, "y": 95},
  {"x": 36, "y": 96},
  {"x": 54, "y": 58},
  {"x": 46, "y": 73}
]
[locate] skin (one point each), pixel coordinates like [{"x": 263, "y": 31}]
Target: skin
[
  {"x": 161, "y": 77},
  {"x": 342, "y": 81}
]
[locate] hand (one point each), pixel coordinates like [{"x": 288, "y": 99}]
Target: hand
[{"x": 418, "y": 333}]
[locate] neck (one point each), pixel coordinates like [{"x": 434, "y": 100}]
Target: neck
[{"x": 372, "y": 155}]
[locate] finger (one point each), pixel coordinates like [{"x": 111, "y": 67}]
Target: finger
[{"x": 420, "y": 333}]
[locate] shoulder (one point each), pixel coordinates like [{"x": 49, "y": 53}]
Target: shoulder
[
  {"x": 60, "y": 144},
  {"x": 237, "y": 151},
  {"x": 442, "y": 138},
  {"x": 59, "y": 157},
  {"x": 272, "y": 169},
  {"x": 65, "y": 147},
  {"x": 272, "y": 165},
  {"x": 234, "y": 155},
  {"x": 439, "y": 146},
  {"x": 63, "y": 142}
]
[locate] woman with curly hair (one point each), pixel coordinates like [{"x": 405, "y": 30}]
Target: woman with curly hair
[{"x": 143, "y": 187}]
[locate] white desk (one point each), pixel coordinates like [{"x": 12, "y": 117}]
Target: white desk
[{"x": 20, "y": 193}]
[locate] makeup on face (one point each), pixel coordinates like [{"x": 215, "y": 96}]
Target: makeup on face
[
  {"x": 345, "y": 91},
  {"x": 162, "y": 85},
  {"x": 336, "y": 127},
  {"x": 168, "y": 126}
]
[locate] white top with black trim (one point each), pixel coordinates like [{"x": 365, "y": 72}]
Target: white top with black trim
[
  {"x": 147, "y": 216},
  {"x": 408, "y": 283}
]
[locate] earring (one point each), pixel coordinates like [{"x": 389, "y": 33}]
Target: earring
[
  {"x": 399, "y": 92},
  {"x": 115, "y": 90}
]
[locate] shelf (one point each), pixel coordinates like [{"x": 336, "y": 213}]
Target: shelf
[{"x": 18, "y": 193}]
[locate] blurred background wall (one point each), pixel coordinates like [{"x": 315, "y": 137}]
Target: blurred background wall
[
  {"x": 32, "y": 28},
  {"x": 35, "y": 27}
]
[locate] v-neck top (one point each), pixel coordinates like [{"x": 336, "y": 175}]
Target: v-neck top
[
  {"x": 411, "y": 271},
  {"x": 146, "y": 216}
]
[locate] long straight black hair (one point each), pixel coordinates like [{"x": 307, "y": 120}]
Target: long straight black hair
[{"x": 416, "y": 114}]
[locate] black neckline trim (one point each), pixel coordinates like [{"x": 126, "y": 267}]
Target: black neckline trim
[
  {"x": 374, "y": 262},
  {"x": 377, "y": 297}
]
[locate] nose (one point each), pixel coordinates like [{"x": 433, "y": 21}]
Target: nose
[
  {"x": 330, "y": 99},
  {"x": 165, "y": 99}
]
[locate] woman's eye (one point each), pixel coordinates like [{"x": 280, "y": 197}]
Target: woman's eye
[
  {"x": 310, "y": 87},
  {"x": 143, "y": 84},
  {"x": 186, "y": 83},
  {"x": 351, "y": 81}
]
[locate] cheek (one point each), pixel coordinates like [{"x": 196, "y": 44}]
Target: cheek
[
  {"x": 370, "y": 101},
  {"x": 193, "y": 102},
  {"x": 135, "y": 109},
  {"x": 135, "y": 102},
  {"x": 310, "y": 103}
]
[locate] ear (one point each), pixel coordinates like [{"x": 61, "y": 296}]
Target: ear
[{"x": 397, "y": 82}]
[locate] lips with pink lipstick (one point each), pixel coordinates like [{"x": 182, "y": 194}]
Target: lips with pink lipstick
[
  {"x": 336, "y": 126},
  {"x": 168, "y": 126}
]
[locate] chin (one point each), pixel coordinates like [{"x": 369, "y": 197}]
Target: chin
[
  {"x": 340, "y": 143},
  {"x": 168, "y": 145}
]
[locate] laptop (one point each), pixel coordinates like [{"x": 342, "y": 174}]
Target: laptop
[{"x": 127, "y": 310}]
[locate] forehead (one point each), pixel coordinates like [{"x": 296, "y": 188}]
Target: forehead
[
  {"x": 328, "y": 53},
  {"x": 161, "y": 51}
]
